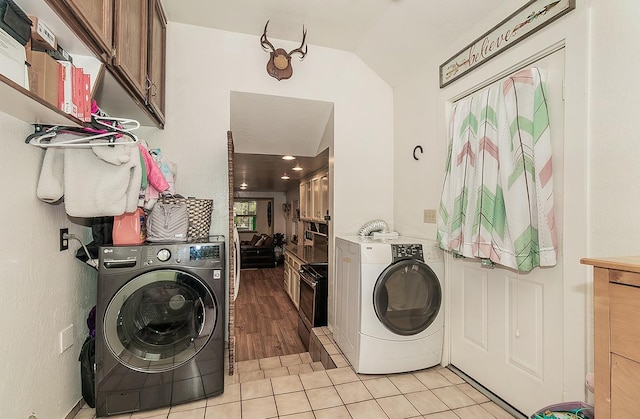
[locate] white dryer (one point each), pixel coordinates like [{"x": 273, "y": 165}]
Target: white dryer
[{"x": 389, "y": 294}]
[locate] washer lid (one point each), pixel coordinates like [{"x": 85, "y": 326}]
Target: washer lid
[{"x": 407, "y": 297}]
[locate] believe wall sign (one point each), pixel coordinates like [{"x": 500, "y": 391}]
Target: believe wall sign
[{"x": 528, "y": 19}]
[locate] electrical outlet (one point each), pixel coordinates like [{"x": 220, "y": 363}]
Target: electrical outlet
[
  {"x": 66, "y": 338},
  {"x": 64, "y": 243},
  {"x": 430, "y": 216}
]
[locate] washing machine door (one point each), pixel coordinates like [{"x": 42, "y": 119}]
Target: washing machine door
[
  {"x": 160, "y": 320},
  {"x": 407, "y": 297}
]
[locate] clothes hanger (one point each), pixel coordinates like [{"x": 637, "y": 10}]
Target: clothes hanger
[
  {"x": 121, "y": 126},
  {"x": 85, "y": 141},
  {"x": 43, "y": 135}
]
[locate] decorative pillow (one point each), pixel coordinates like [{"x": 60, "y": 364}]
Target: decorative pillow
[
  {"x": 255, "y": 239},
  {"x": 268, "y": 241},
  {"x": 260, "y": 242}
]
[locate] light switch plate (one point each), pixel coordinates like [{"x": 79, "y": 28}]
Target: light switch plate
[
  {"x": 66, "y": 338},
  {"x": 430, "y": 216}
]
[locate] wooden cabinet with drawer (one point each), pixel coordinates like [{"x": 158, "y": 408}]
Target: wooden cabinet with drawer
[
  {"x": 292, "y": 266},
  {"x": 616, "y": 283}
]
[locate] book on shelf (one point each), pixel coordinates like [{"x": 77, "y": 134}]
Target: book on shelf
[
  {"x": 77, "y": 95},
  {"x": 65, "y": 89},
  {"x": 86, "y": 96}
]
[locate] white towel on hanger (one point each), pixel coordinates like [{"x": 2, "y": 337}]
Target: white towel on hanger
[
  {"x": 96, "y": 182},
  {"x": 50, "y": 183}
]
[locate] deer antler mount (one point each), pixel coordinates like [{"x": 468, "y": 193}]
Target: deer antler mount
[{"x": 279, "y": 65}]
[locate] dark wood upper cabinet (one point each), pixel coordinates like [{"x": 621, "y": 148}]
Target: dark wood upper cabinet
[
  {"x": 91, "y": 20},
  {"x": 157, "y": 58},
  {"x": 130, "y": 39},
  {"x": 97, "y": 16}
]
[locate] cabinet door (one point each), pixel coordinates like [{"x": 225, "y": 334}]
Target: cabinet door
[
  {"x": 96, "y": 18},
  {"x": 324, "y": 196},
  {"x": 625, "y": 387},
  {"x": 308, "y": 199},
  {"x": 305, "y": 200},
  {"x": 315, "y": 187},
  {"x": 156, "y": 58},
  {"x": 295, "y": 289},
  {"x": 287, "y": 273},
  {"x": 130, "y": 41}
]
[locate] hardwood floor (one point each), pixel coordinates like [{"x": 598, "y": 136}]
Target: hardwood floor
[{"x": 266, "y": 320}]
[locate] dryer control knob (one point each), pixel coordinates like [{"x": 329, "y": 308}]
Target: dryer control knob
[{"x": 163, "y": 255}]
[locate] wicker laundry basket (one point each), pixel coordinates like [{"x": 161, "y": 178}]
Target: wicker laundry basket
[{"x": 199, "y": 215}]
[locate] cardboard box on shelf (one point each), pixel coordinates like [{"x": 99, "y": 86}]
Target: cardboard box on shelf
[
  {"x": 12, "y": 60},
  {"x": 41, "y": 36},
  {"x": 44, "y": 76}
]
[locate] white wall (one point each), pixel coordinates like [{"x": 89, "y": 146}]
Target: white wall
[
  {"x": 43, "y": 290},
  {"x": 614, "y": 149},
  {"x": 199, "y": 82},
  {"x": 417, "y": 183},
  {"x": 204, "y": 65},
  {"x": 420, "y": 105}
]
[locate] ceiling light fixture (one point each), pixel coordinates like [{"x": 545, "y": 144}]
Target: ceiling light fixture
[
  {"x": 243, "y": 185},
  {"x": 288, "y": 158},
  {"x": 285, "y": 176},
  {"x": 297, "y": 168}
]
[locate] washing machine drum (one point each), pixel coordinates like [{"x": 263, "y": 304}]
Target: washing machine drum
[
  {"x": 159, "y": 320},
  {"x": 407, "y": 297}
]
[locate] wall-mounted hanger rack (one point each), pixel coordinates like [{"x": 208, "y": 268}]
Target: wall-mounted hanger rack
[{"x": 105, "y": 131}]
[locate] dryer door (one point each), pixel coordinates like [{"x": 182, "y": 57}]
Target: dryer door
[
  {"x": 160, "y": 320},
  {"x": 407, "y": 297}
]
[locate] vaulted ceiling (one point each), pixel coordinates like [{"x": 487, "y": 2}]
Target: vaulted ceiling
[{"x": 394, "y": 37}]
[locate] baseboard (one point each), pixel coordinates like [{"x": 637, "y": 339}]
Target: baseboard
[
  {"x": 72, "y": 414},
  {"x": 497, "y": 400}
]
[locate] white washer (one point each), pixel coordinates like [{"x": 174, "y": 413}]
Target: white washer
[{"x": 389, "y": 294}]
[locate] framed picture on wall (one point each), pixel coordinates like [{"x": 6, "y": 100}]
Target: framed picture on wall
[{"x": 527, "y": 20}]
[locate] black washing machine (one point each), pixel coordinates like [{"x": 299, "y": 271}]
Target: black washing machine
[{"x": 159, "y": 326}]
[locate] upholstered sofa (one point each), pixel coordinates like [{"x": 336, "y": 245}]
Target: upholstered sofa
[{"x": 258, "y": 252}]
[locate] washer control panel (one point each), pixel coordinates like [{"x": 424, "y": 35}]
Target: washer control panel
[
  {"x": 407, "y": 251},
  {"x": 187, "y": 254},
  {"x": 194, "y": 255}
]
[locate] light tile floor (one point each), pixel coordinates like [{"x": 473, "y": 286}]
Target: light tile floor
[{"x": 295, "y": 387}]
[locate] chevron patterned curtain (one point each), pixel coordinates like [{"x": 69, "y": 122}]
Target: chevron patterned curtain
[{"x": 497, "y": 197}]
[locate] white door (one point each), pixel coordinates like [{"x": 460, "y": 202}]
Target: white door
[{"x": 506, "y": 327}]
